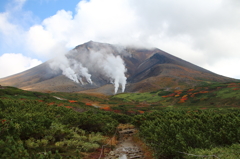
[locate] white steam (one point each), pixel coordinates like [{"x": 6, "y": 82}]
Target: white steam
[
  {"x": 81, "y": 71},
  {"x": 111, "y": 66},
  {"x": 102, "y": 64},
  {"x": 71, "y": 69}
]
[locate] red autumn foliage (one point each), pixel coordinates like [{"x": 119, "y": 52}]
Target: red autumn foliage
[
  {"x": 190, "y": 90},
  {"x": 235, "y": 89},
  {"x": 52, "y": 103},
  {"x": 233, "y": 85},
  {"x": 141, "y": 112},
  {"x": 178, "y": 91},
  {"x": 88, "y": 104},
  {"x": 106, "y": 108},
  {"x": 3, "y": 121},
  {"x": 182, "y": 101},
  {"x": 73, "y": 101},
  {"x": 170, "y": 95},
  {"x": 193, "y": 95},
  {"x": 40, "y": 100},
  {"x": 131, "y": 112},
  {"x": 69, "y": 107},
  {"x": 116, "y": 111},
  {"x": 203, "y": 92}
]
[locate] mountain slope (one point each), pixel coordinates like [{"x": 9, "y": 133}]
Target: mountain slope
[{"x": 147, "y": 70}]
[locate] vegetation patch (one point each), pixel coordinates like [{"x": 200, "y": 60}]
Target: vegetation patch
[{"x": 202, "y": 120}]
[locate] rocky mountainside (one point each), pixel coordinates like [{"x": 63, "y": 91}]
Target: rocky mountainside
[{"x": 99, "y": 67}]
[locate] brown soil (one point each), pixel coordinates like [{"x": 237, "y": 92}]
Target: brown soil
[{"x": 127, "y": 148}]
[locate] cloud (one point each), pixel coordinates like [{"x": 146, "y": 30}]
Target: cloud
[
  {"x": 11, "y": 63},
  {"x": 200, "y": 32},
  {"x": 6, "y": 27},
  {"x": 227, "y": 67},
  {"x": 9, "y": 32},
  {"x": 42, "y": 42},
  {"x": 14, "y": 24}
]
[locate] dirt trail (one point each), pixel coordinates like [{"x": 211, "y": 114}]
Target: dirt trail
[{"x": 127, "y": 148}]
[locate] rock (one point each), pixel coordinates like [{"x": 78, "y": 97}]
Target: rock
[{"x": 112, "y": 153}]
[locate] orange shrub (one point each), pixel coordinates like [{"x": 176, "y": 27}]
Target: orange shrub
[
  {"x": 3, "y": 121},
  {"x": 106, "y": 108},
  {"x": 178, "y": 91},
  {"x": 235, "y": 89},
  {"x": 190, "y": 90},
  {"x": 73, "y": 101},
  {"x": 193, "y": 95},
  {"x": 69, "y": 107},
  {"x": 52, "y": 103},
  {"x": 181, "y": 101},
  {"x": 170, "y": 95},
  {"x": 88, "y": 104},
  {"x": 203, "y": 92}
]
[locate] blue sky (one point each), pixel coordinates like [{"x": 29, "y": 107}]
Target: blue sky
[
  {"x": 46, "y": 8},
  {"x": 205, "y": 33},
  {"x": 41, "y": 8},
  {"x": 32, "y": 12}
]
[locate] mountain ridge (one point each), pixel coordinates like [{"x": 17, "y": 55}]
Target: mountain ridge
[{"x": 147, "y": 70}]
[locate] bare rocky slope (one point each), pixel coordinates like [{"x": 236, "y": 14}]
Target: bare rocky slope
[{"x": 147, "y": 70}]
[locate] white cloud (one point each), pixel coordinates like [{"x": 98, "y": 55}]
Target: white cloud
[
  {"x": 40, "y": 41},
  {"x": 227, "y": 67},
  {"x": 6, "y": 27},
  {"x": 10, "y": 33},
  {"x": 11, "y": 63}
]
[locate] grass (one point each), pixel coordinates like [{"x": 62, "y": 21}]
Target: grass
[
  {"x": 231, "y": 152},
  {"x": 140, "y": 97},
  {"x": 207, "y": 96},
  {"x": 213, "y": 95},
  {"x": 228, "y": 93}
]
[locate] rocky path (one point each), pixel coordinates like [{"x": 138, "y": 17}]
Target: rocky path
[{"x": 126, "y": 149}]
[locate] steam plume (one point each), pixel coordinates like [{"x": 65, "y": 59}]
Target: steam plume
[
  {"x": 84, "y": 63},
  {"x": 71, "y": 69}
]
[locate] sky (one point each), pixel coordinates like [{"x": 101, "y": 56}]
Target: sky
[{"x": 205, "y": 33}]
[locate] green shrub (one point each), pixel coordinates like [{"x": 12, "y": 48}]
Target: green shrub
[
  {"x": 228, "y": 152},
  {"x": 168, "y": 132}
]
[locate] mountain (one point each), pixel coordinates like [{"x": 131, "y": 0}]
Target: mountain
[{"x": 147, "y": 70}]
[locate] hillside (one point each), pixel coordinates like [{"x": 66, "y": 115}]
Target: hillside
[
  {"x": 201, "y": 120},
  {"x": 146, "y": 70}
]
